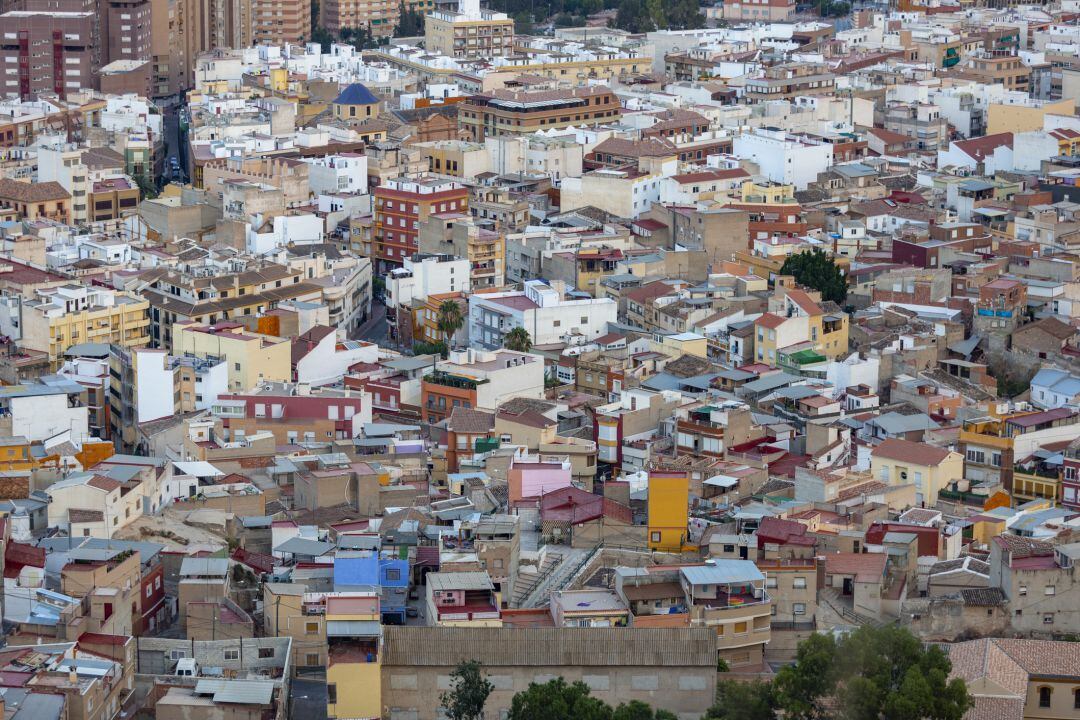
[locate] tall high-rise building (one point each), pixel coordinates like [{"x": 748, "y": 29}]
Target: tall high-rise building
[
  {"x": 125, "y": 32},
  {"x": 379, "y": 16},
  {"x": 46, "y": 52},
  {"x": 276, "y": 22}
]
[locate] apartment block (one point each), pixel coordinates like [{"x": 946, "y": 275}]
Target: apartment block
[
  {"x": 58, "y": 318},
  {"x": 469, "y": 32},
  {"x": 401, "y": 205}
]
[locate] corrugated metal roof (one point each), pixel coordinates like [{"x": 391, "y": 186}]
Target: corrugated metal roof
[
  {"x": 724, "y": 571},
  {"x": 590, "y": 647},
  {"x": 245, "y": 692},
  {"x": 204, "y": 567},
  {"x": 353, "y": 628}
]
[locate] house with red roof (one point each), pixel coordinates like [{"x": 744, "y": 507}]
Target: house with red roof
[{"x": 984, "y": 155}]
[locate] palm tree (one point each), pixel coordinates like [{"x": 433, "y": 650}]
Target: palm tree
[
  {"x": 449, "y": 320},
  {"x": 518, "y": 339}
]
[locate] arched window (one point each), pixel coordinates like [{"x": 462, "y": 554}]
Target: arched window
[{"x": 1044, "y": 697}]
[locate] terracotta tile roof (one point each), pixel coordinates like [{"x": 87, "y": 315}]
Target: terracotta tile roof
[
  {"x": 648, "y": 292},
  {"x": 712, "y": 174},
  {"x": 803, "y": 300},
  {"x": 81, "y": 515},
  {"x": 1051, "y": 326},
  {"x": 649, "y": 147},
  {"x": 103, "y": 483},
  {"x": 865, "y": 567},
  {"x": 911, "y": 452},
  {"x": 103, "y": 639},
  {"x": 770, "y": 320},
  {"x": 27, "y": 192},
  {"x": 979, "y": 148},
  {"x": 889, "y": 137},
  {"x": 470, "y": 421}
]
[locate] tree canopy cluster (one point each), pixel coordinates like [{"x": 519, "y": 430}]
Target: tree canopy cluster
[
  {"x": 819, "y": 271},
  {"x": 639, "y": 16},
  {"x": 870, "y": 674}
]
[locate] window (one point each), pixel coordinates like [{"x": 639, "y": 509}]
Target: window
[
  {"x": 1044, "y": 697},
  {"x": 311, "y": 659},
  {"x": 232, "y": 654},
  {"x": 1050, "y": 590},
  {"x": 331, "y": 693},
  {"x": 654, "y": 537},
  {"x": 1076, "y": 699},
  {"x": 770, "y": 582},
  {"x": 1048, "y": 618},
  {"x": 393, "y": 574},
  {"x": 1023, "y": 590},
  {"x": 799, "y": 583},
  {"x": 729, "y": 548},
  {"x": 740, "y": 628},
  {"x": 266, "y": 653},
  {"x": 311, "y": 628},
  {"x": 798, "y": 609}
]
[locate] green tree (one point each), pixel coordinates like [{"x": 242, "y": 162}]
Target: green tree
[
  {"x": 801, "y": 687},
  {"x": 449, "y": 320},
  {"x": 518, "y": 339},
  {"x": 888, "y": 673},
  {"x": 819, "y": 271},
  {"x": 558, "y": 700},
  {"x": 637, "y": 710},
  {"x": 634, "y": 16},
  {"x": 410, "y": 22},
  {"x": 871, "y": 674},
  {"x": 736, "y": 700},
  {"x": 468, "y": 693},
  {"x": 425, "y": 348},
  {"x": 684, "y": 15}
]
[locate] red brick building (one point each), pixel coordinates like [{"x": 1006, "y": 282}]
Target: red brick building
[{"x": 401, "y": 205}]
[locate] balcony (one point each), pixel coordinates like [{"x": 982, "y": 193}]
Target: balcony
[{"x": 459, "y": 382}]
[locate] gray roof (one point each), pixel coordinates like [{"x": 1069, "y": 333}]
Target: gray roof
[
  {"x": 894, "y": 423},
  {"x": 460, "y": 581},
  {"x": 40, "y": 706},
  {"x": 304, "y": 546},
  {"x": 244, "y": 692},
  {"x": 204, "y": 567},
  {"x": 550, "y": 647},
  {"x": 722, "y": 572}
]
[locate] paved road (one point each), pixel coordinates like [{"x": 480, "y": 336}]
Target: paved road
[
  {"x": 308, "y": 701},
  {"x": 375, "y": 329}
]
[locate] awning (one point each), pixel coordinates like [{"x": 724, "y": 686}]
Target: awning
[{"x": 353, "y": 628}]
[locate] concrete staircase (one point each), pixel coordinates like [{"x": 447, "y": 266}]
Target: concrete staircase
[
  {"x": 526, "y": 585},
  {"x": 843, "y": 607}
]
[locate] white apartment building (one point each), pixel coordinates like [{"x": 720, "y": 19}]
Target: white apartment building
[
  {"x": 542, "y": 310},
  {"x": 784, "y": 158},
  {"x": 422, "y": 275},
  {"x": 344, "y": 173},
  {"x": 506, "y": 374}
]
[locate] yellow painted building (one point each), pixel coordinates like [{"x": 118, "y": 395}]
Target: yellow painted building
[
  {"x": 251, "y": 358},
  {"x": 354, "y": 666},
  {"x": 1002, "y": 117},
  {"x": 478, "y": 33},
  {"x": 676, "y": 346},
  {"x": 72, "y": 314},
  {"x": 930, "y": 469},
  {"x": 668, "y": 510},
  {"x": 15, "y": 454}
]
